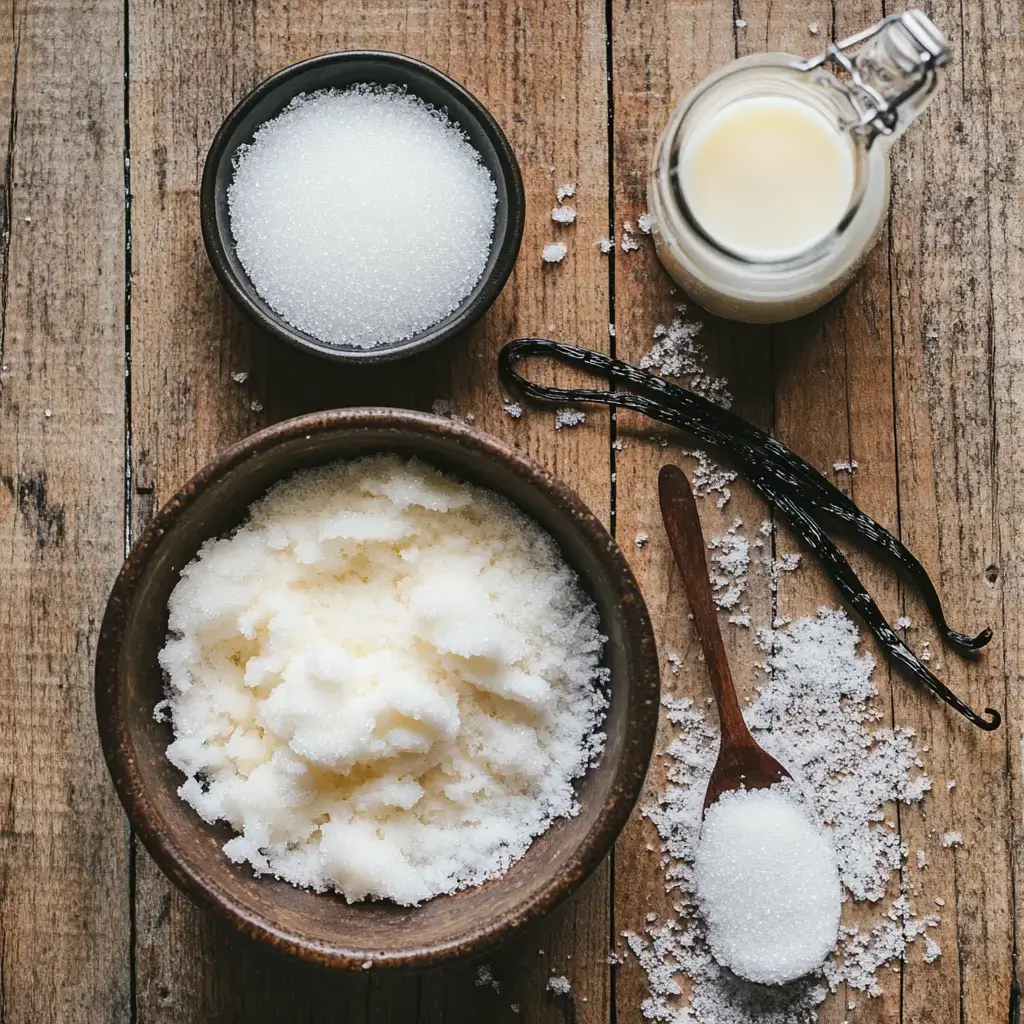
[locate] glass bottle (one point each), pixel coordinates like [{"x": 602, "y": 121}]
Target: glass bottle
[{"x": 867, "y": 89}]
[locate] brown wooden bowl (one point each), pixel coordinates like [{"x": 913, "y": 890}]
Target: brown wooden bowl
[{"x": 324, "y": 928}]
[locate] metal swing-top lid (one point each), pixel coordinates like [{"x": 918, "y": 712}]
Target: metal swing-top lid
[{"x": 892, "y": 68}]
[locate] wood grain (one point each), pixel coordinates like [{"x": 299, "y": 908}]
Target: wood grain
[
  {"x": 64, "y": 895},
  {"x": 916, "y": 372},
  {"x": 540, "y": 69},
  {"x": 661, "y": 51},
  {"x": 944, "y": 302}
]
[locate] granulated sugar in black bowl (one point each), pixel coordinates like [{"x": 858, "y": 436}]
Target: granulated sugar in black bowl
[{"x": 362, "y": 206}]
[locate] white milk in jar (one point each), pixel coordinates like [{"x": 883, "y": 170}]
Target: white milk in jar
[
  {"x": 771, "y": 182},
  {"x": 767, "y": 177}
]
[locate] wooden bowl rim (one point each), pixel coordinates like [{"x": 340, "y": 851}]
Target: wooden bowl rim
[{"x": 627, "y": 780}]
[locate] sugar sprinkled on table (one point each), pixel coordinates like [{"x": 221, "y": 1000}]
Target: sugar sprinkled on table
[
  {"x": 362, "y": 216},
  {"x": 569, "y": 418},
  {"x": 554, "y": 252},
  {"x": 485, "y": 978},
  {"x": 560, "y": 985},
  {"x": 816, "y": 712}
]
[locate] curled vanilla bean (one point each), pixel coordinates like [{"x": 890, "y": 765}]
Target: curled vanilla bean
[{"x": 788, "y": 482}]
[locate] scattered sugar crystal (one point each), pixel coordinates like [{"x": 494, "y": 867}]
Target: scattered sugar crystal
[
  {"x": 485, "y": 977},
  {"x": 939, "y": 901},
  {"x": 848, "y": 466},
  {"x": 611, "y": 330},
  {"x": 922, "y": 859},
  {"x": 741, "y": 23},
  {"x": 514, "y": 409},
  {"x": 566, "y": 191},
  {"x": 951, "y": 839},
  {"x": 674, "y": 661},
  {"x": 903, "y": 622},
  {"x": 629, "y": 243},
  {"x": 362, "y": 216},
  {"x": 645, "y": 222},
  {"x": 767, "y": 884},
  {"x": 926, "y": 651},
  {"x": 730, "y": 560},
  {"x": 709, "y": 478},
  {"x": 554, "y": 252},
  {"x": 47, "y": 413},
  {"x": 240, "y": 377},
  {"x": 256, "y": 405},
  {"x": 677, "y": 353},
  {"x": 950, "y": 784},
  {"x": 813, "y": 28},
  {"x": 559, "y": 984},
  {"x": 741, "y": 618},
  {"x": 563, "y": 214},
  {"x": 367, "y": 964},
  {"x": 642, "y": 539},
  {"x": 441, "y": 407},
  {"x": 618, "y": 446},
  {"x": 162, "y": 711},
  {"x": 932, "y": 950},
  {"x": 606, "y": 244},
  {"x": 569, "y": 418},
  {"x": 382, "y": 590},
  {"x": 816, "y": 712},
  {"x": 514, "y": 1007}
]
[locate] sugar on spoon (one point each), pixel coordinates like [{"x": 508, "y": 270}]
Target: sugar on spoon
[
  {"x": 765, "y": 875},
  {"x": 741, "y": 763}
]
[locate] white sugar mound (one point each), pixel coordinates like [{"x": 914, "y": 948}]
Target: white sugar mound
[
  {"x": 362, "y": 216},
  {"x": 385, "y": 682},
  {"x": 768, "y": 886}
]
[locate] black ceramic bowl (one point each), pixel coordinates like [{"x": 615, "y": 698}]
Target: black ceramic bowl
[
  {"x": 338, "y": 70},
  {"x": 323, "y": 928}
]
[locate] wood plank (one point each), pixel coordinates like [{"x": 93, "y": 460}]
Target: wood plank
[
  {"x": 834, "y": 403},
  {"x": 540, "y": 69},
  {"x": 944, "y": 303},
  {"x": 1005, "y": 198},
  {"x": 64, "y": 885},
  {"x": 661, "y": 51}
]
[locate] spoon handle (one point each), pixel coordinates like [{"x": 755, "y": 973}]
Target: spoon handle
[{"x": 682, "y": 524}]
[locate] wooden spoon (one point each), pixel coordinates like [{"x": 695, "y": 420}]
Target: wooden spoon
[{"x": 741, "y": 762}]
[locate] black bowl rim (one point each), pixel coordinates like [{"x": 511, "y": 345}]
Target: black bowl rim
[
  {"x": 465, "y": 316},
  {"x": 642, "y": 711}
]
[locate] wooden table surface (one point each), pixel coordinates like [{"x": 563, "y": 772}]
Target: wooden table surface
[{"x": 118, "y": 349}]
